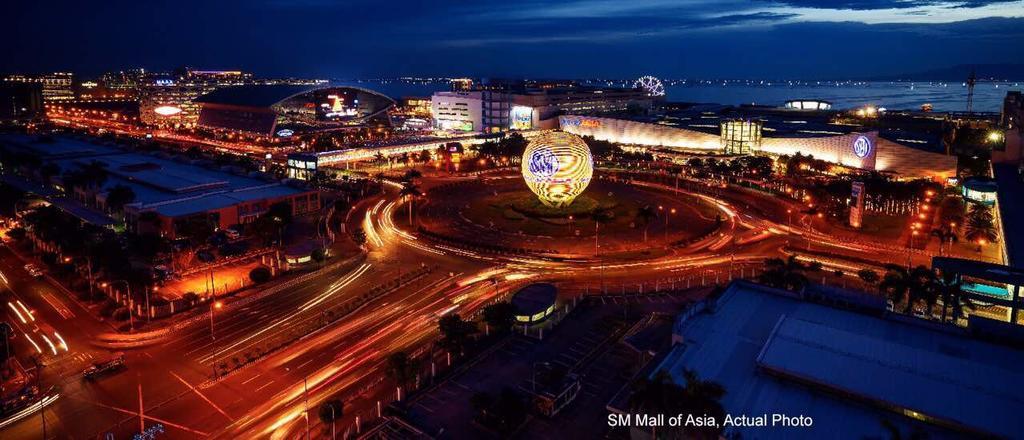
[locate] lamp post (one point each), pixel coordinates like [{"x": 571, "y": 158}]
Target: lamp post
[
  {"x": 910, "y": 250},
  {"x": 214, "y": 305},
  {"x": 149, "y": 312},
  {"x": 334, "y": 418},
  {"x": 672, "y": 212}
]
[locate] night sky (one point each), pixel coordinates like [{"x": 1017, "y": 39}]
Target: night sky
[{"x": 798, "y": 39}]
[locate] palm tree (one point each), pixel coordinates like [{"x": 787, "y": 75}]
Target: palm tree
[
  {"x": 500, "y": 316},
  {"x": 330, "y": 411},
  {"x": 953, "y": 298},
  {"x": 455, "y": 332},
  {"x": 912, "y": 286},
  {"x": 661, "y": 394},
  {"x": 118, "y": 196},
  {"x": 410, "y": 191},
  {"x": 945, "y": 234},
  {"x": 645, "y": 215},
  {"x": 411, "y": 175},
  {"x": 401, "y": 369},
  {"x": 980, "y": 225},
  {"x": 789, "y": 274},
  {"x": 868, "y": 276}
]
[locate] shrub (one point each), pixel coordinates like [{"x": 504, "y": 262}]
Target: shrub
[
  {"x": 121, "y": 314},
  {"x": 107, "y": 310},
  {"x": 191, "y": 297},
  {"x": 260, "y": 275}
]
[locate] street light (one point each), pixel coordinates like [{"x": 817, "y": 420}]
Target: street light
[
  {"x": 214, "y": 305},
  {"x": 671, "y": 211},
  {"x": 910, "y": 249}
]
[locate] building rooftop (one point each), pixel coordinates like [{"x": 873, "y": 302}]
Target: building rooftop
[
  {"x": 775, "y": 353},
  {"x": 254, "y": 95},
  {"x": 534, "y": 298},
  {"x": 170, "y": 187},
  {"x": 1010, "y": 195}
]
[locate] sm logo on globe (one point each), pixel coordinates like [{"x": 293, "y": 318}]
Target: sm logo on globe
[
  {"x": 862, "y": 146},
  {"x": 543, "y": 163}
]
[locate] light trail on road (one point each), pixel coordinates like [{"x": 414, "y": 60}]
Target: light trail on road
[{"x": 346, "y": 281}]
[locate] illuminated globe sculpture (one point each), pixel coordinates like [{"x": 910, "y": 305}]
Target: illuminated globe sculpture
[{"x": 557, "y": 166}]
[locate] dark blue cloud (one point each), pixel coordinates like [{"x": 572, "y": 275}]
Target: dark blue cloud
[
  {"x": 501, "y": 38},
  {"x": 868, "y": 5}
]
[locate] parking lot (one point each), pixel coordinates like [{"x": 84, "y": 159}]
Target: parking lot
[{"x": 589, "y": 342}]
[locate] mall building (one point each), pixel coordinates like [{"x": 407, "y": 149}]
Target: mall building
[
  {"x": 170, "y": 100},
  {"x": 178, "y": 190},
  {"x": 281, "y": 111},
  {"x": 866, "y": 150},
  {"x": 56, "y": 86},
  {"x": 492, "y": 107}
]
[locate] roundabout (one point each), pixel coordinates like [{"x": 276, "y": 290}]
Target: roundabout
[{"x": 611, "y": 219}]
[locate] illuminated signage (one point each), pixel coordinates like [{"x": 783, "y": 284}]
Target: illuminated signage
[
  {"x": 522, "y": 117},
  {"x": 456, "y": 125},
  {"x": 862, "y": 147},
  {"x": 557, "y": 167},
  {"x": 167, "y": 110},
  {"x": 164, "y": 82},
  {"x": 285, "y": 132},
  {"x": 585, "y": 123}
]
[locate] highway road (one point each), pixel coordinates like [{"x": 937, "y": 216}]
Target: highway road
[{"x": 180, "y": 385}]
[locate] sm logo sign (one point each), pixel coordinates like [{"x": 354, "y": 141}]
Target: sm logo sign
[{"x": 585, "y": 123}]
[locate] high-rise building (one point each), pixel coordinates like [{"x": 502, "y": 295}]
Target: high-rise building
[
  {"x": 457, "y": 111},
  {"x": 166, "y": 100},
  {"x": 499, "y": 105},
  {"x": 20, "y": 100},
  {"x": 56, "y": 86},
  {"x": 1010, "y": 148}
]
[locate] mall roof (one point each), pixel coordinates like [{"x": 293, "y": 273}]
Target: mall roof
[
  {"x": 254, "y": 95},
  {"x": 170, "y": 187},
  {"x": 266, "y": 95},
  {"x": 1010, "y": 194},
  {"x": 776, "y": 353},
  {"x": 534, "y": 298}
]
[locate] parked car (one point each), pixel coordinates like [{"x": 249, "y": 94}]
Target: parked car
[
  {"x": 33, "y": 270},
  {"x": 162, "y": 272},
  {"x": 111, "y": 365},
  {"x": 232, "y": 234}
]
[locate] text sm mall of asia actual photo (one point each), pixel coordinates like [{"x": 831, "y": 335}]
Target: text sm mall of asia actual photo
[{"x": 587, "y": 219}]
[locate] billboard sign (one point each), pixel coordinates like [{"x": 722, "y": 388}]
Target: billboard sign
[
  {"x": 583, "y": 122},
  {"x": 857, "y": 204},
  {"x": 522, "y": 117}
]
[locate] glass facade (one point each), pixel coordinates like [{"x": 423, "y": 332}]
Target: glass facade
[{"x": 741, "y": 136}]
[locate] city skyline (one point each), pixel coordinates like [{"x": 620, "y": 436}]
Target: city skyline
[
  {"x": 590, "y": 219},
  {"x": 735, "y": 39}
]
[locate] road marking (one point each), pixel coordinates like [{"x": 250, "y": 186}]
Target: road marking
[
  {"x": 202, "y": 396},
  {"x": 250, "y": 379},
  {"x": 303, "y": 364},
  {"x": 264, "y": 386},
  {"x": 136, "y": 414},
  {"x": 57, "y": 305}
]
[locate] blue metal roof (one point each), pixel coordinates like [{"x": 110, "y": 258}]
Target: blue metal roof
[
  {"x": 254, "y": 95},
  {"x": 778, "y": 354}
]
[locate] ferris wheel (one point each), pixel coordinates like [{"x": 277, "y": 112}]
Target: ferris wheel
[{"x": 651, "y": 85}]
